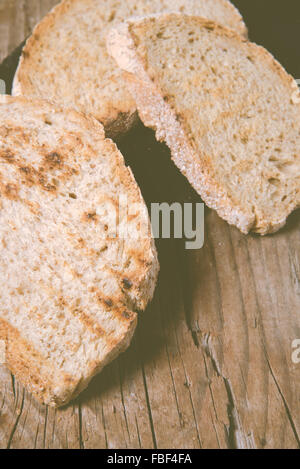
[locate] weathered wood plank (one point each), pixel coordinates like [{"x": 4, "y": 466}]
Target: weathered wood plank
[{"x": 17, "y": 18}]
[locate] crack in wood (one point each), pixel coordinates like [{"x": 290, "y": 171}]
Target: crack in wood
[
  {"x": 45, "y": 428},
  {"x": 81, "y": 443},
  {"x": 149, "y": 409},
  {"x": 286, "y": 406},
  {"x": 181, "y": 421},
  {"x": 123, "y": 403},
  {"x": 284, "y": 401},
  {"x": 138, "y": 431},
  {"x": 188, "y": 386},
  {"x": 295, "y": 270},
  {"x": 235, "y": 434},
  {"x": 19, "y": 413},
  {"x": 25, "y": 9},
  {"x": 13, "y": 385},
  {"x": 210, "y": 388},
  {"x": 36, "y": 436},
  {"x": 104, "y": 427}
]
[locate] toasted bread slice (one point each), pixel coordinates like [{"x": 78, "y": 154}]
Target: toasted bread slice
[
  {"x": 228, "y": 111},
  {"x": 65, "y": 60},
  {"x": 70, "y": 283}
]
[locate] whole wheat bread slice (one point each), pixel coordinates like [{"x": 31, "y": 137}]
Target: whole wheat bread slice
[
  {"x": 70, "y": 284},
  {"x": 228, "y": 111},
  {"x": 65, "y": 60}
]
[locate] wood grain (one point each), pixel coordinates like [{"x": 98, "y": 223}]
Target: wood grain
[{"x": 211, "y": 363}]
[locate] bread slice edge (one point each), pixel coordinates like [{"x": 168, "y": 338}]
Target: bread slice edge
[
  {"x": 41, "y": 378},
  {"x": 116, "y": 123},
  {"x": 157, "y": 114}
]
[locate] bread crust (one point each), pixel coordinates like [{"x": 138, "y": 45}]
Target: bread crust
[
  {"x": 241, "y": 27},
  {"x": 117, "y": 119},
  {"x": 156, "y": 113}
]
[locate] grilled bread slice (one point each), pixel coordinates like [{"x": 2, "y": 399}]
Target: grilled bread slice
[
  {"x": 65, "y": 60},
  {"x": 228, "y": 111},
  {"x": 70, "y": 284}
]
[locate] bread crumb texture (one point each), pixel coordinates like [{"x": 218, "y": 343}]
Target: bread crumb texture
[
  {"x": 228, "y": 111},
  {"x": 69, "y": 290},
  {"x": 65, "y": 59}
]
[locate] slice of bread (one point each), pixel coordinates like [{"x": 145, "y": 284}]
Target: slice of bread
[
  {"x": 228, "y": 111},
  {"x": 70, "y": 284},
  {"x": 65, "y": 60}
]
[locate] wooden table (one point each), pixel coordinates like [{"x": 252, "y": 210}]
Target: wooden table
[{"x": 211, "y": 363}]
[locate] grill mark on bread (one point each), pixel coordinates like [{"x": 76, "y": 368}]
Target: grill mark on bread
[
  {"x": 9, "y": 190},
  {"x": 51, "y": 161},
  {"x": 133, "y": 255},
  {"x": 46, "y": 185},
  {"x": 13, "y": 134},
  {"x": 123, "y": 314},
  {"x": 80, "y": 243},
  {"x": 126, "y": 314},
  {"x": 127, "y": 284},
  {"x": 115, "y": 306},
  {"x": 108, "y": 302},
  {"x": 35, "y": 371},
  {"x": 7, "y": 155},
  {"x": 90, "y": 216},
  {"x": 25, "y": 169},
  {"x": 34, "y": 207},
  {"x": 89, "y": 322},
  {"x": 117, "y": 310}
]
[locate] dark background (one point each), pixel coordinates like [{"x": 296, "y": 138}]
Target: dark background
[{"x": 275, "y": 24}]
